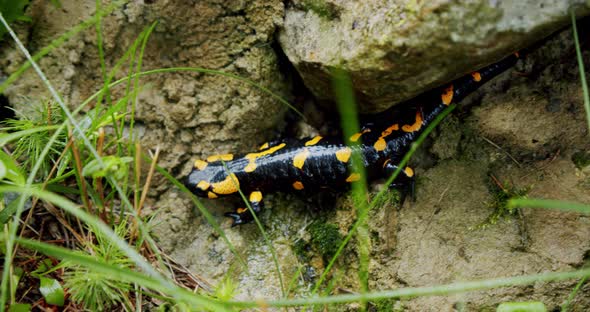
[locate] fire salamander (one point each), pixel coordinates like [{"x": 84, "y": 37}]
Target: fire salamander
[{"x": 313, "y": 164}]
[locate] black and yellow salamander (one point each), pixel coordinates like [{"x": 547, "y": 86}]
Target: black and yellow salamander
[{"x": 313, "y": 164}]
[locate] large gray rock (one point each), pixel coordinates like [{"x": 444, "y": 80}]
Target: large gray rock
[{"x": 395, "y": 50}]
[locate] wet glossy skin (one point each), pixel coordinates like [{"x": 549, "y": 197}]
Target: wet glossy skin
[{"x": 313, "y": 164}]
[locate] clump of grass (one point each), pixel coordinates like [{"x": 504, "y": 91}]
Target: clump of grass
[
  {"x": 42, "y": 116},
  {"x": 502, "y": 193},
  {"x": 226, "y": 289},
  {"x": 96, "y": 291}
]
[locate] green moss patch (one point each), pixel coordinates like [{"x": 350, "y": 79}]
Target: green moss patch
[
  {"x": 581, "y": 159},
  {"x": 326, "y": 238}
]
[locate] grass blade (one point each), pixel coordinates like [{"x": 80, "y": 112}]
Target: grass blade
[
  {"x": 439, "y": 290},
  {"x": 572, "y": 295},
  {"x": 548, "y": 204},
  {"x": 6, "y": 138},
  {"x": 343, "y": 90},
  {"x": 581, "y": 67}
]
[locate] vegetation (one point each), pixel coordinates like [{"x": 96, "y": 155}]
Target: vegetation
[
  {"x": 59, "y": 166},
  {"x": 13, "y": 10},
  {"x": 501, "y": 194},
  {"x": 581, "y": 159},
  {"x": 326, "y": 238}
]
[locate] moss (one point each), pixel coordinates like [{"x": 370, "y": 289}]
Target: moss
[
  {"x": 301, "y": 250},
  {"x": 326, "y": 238},
  {"x": 322, "y": 9},
  {"x": 581, "y": 159},
  {"x": 501, "y": 193},
  {"x": 386, "y": 305},
  {"x": 392, "y": 197}
]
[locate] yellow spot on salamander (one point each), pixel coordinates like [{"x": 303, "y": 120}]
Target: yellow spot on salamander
[
  {"x": 353, "y": 177},
  {"x": 389, "y": 130},
  {"x": 203, "y": 185},
  {"x": 298, "y": 185},
  {"x": 355, "y": 137},
  {"x": 224, "y": 157},
  {"x": 313, "y": 141},
  {"x": 409, "y": 172},
  {"x": 229, "y": 185},
  {"x": 447, "y": 96},
  {"x": 255, "y": 197},
  {"x": 476, "y": 76},
  {"x": 263, "y": 146},
  {"x": 381, "y": 144},
  {"x": 416, "y": 126},
  {"x": 343, "y": 155},
  {"x": 269, "y": 151},
  {"x": 241, "y": 210},
  {"x": 212, "y": 195},
  {"x": 516, "y": 54},
  {"x": 251, "y": 166},
  {"x": 300, "y": 158},
  {"x": 201, "y": 164}
]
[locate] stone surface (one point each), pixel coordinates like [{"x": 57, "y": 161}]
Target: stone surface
[{"x": 395, "y": 50}]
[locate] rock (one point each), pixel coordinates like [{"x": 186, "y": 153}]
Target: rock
[
  {"x": 216, "y": 112},
  {"x": 396, "y": 50}
]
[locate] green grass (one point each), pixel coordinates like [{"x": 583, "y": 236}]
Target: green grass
[
  {"x": 95, "y": 291},
  {"x": 502, "y": 193},
  {"x": 13, "y": 10},
  {"x": 115, "y": 241},
  {"x": 344, "y": 95},
  {"x": 586, "y": 94},
  {"x": 43, "y": 116}
]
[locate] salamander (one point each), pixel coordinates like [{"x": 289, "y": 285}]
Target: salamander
[{"x": 319, "y": 163}]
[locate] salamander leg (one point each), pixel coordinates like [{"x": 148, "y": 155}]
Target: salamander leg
[
  {"x": 404, "y": 182},
  {"x": 243, "y": 215}
]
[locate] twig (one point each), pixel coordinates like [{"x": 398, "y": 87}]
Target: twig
[
  {"x": 501, "y": 149},
  {"x": 78, "y": 163}
]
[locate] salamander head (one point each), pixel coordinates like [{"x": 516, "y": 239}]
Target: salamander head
[{"x": 211, "y": 180}]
